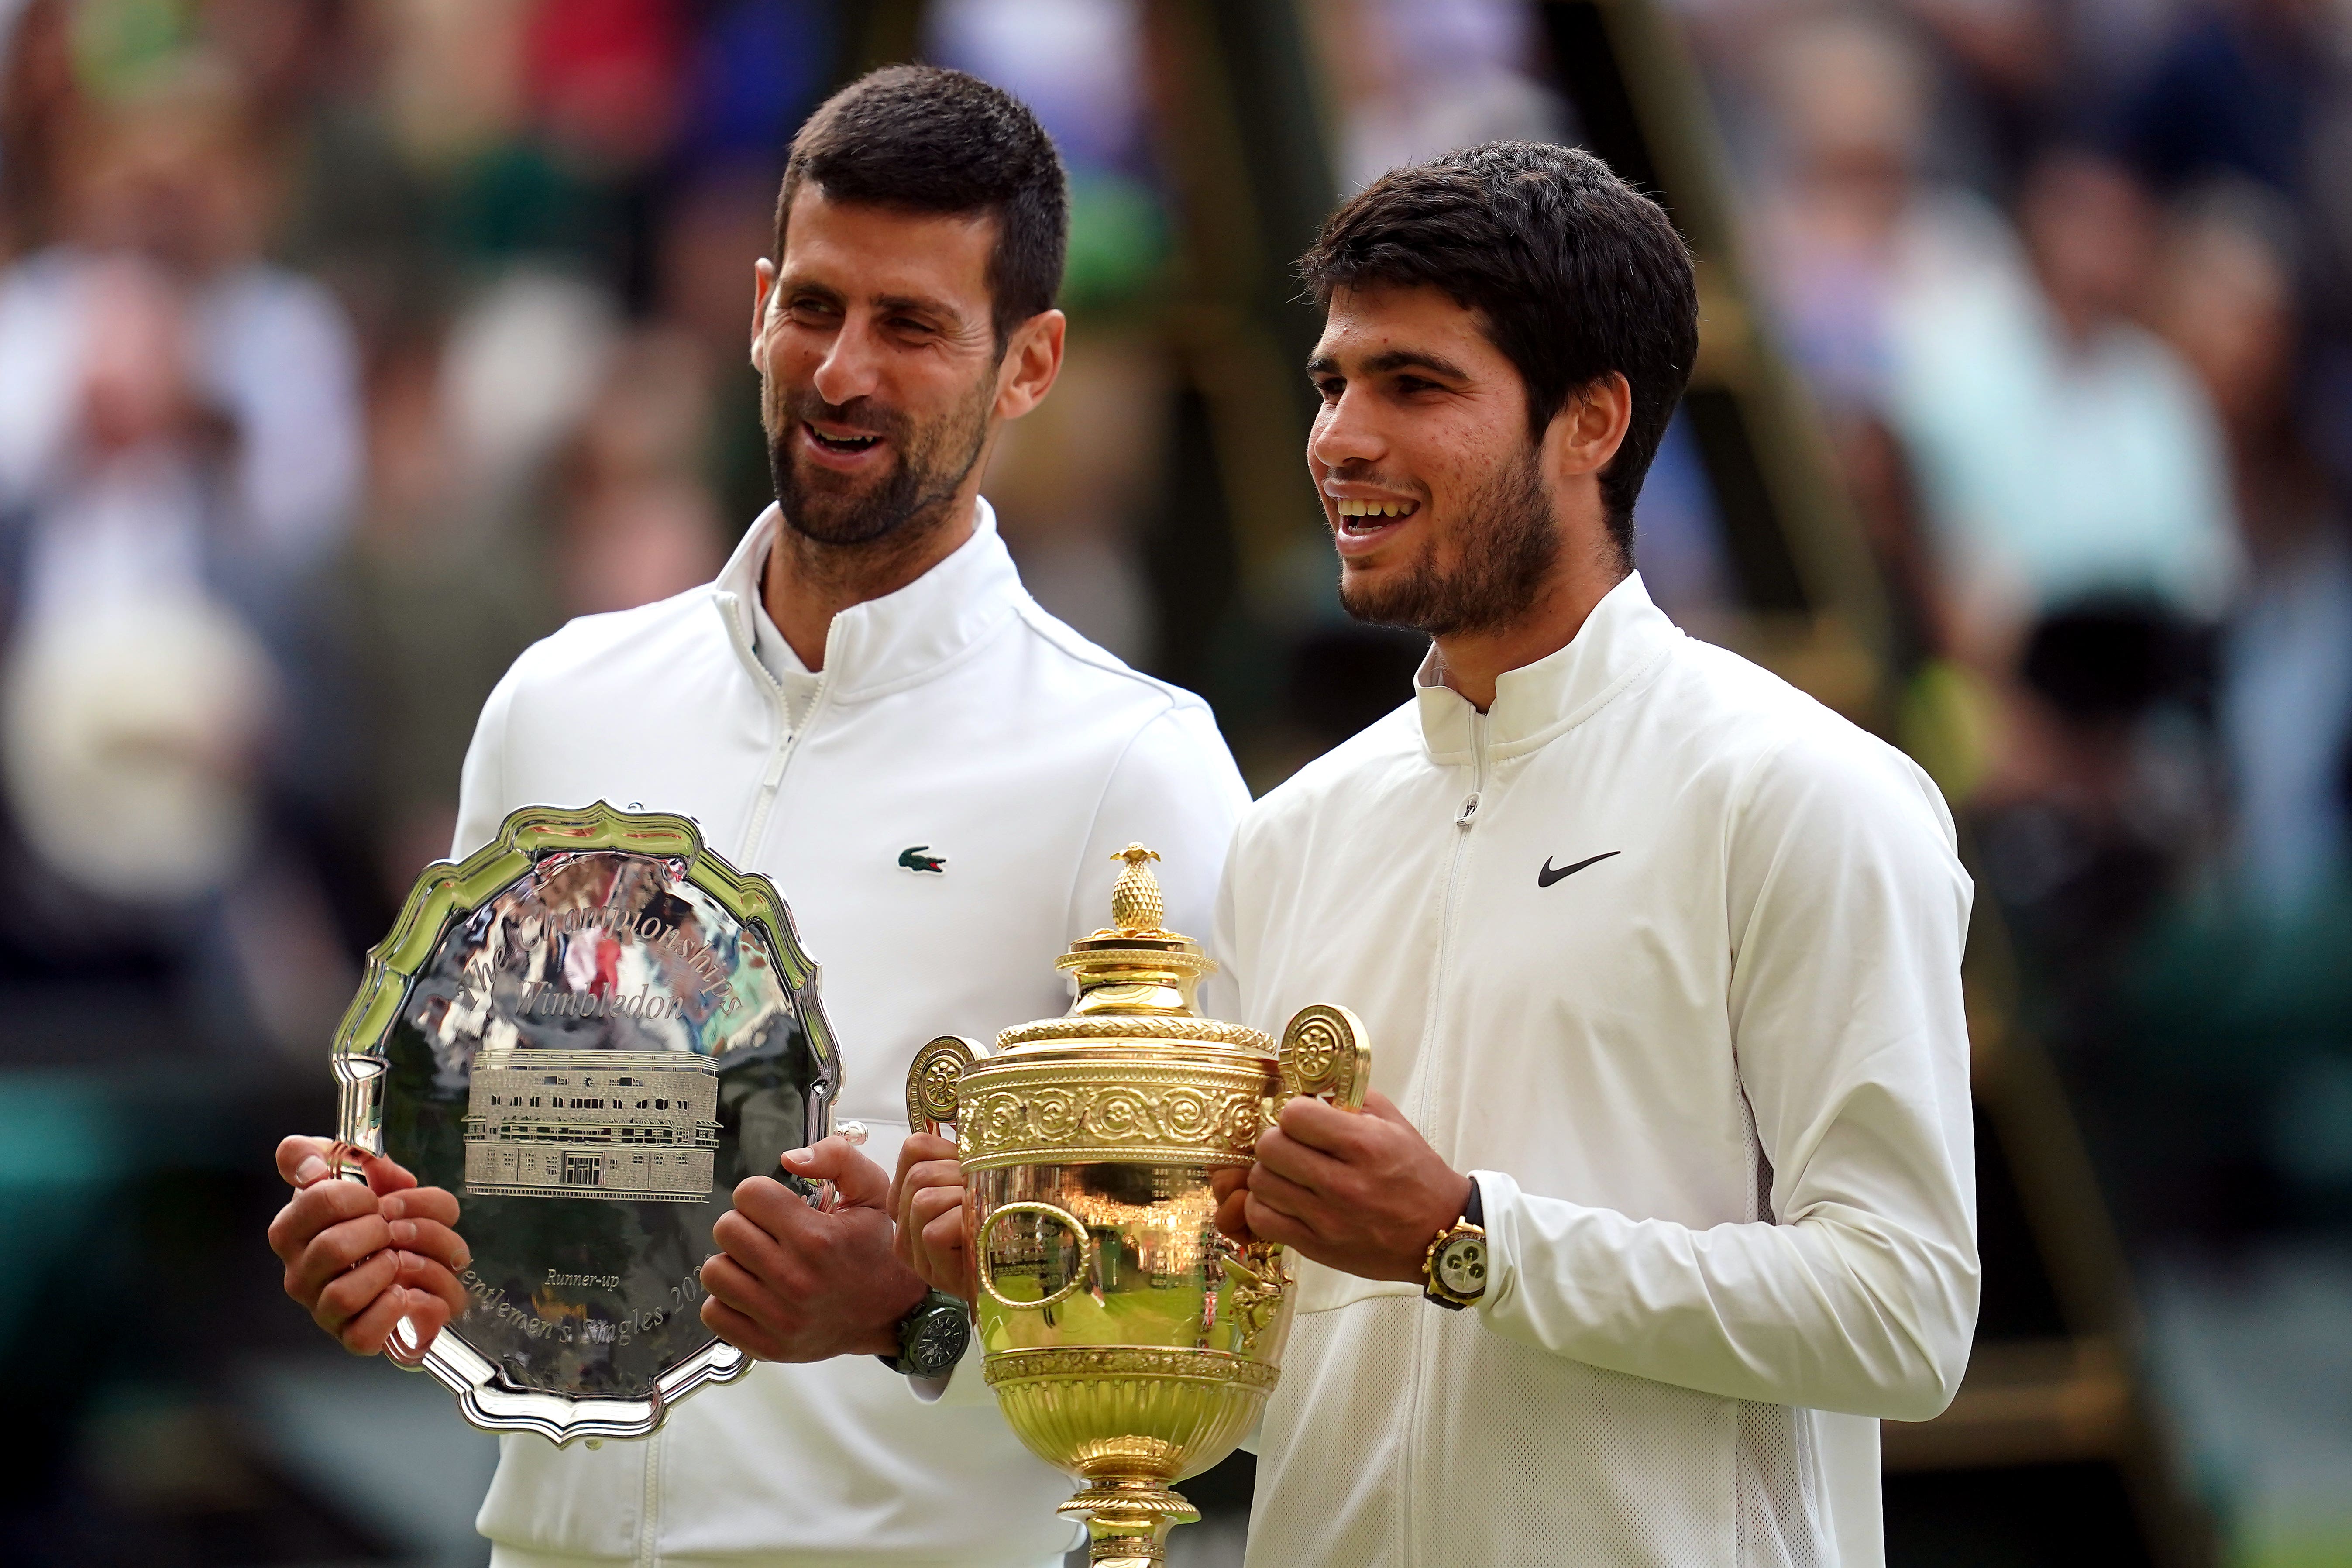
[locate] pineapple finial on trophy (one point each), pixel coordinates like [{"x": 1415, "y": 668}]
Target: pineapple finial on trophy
[{"x": 1135, "y": 906}]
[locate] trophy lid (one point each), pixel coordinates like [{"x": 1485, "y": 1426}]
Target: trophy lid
[{"x": 1134, "y": 978}]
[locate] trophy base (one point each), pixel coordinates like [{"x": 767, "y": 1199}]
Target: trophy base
[{"x": 1127, "y": 1522}]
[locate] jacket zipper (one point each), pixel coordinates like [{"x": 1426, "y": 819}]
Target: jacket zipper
[
  {"x": 772, "y": 779},
  {"x": 649, "y": 1506},
  {"x": 1465, "y": 817}
]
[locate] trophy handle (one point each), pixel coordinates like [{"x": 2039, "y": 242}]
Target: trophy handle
[
  {"x": 1323, "y": 1052},
  {"x": 1060, "y": 1216},
  {"x": 932, "y": 1079}
]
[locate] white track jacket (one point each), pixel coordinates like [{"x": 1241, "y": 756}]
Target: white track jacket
[
  {"x": 955, "y": 717},
  {"x": 1668, "y": 956}
]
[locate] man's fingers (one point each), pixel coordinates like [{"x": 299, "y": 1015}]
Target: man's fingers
[
  {"x": 1299, "y": 1163},
  {"x": 930, "y": 1176},
  {"x": 355, "y": 1293},
  {"x": 1316, "y": 1124},
  {"x": 302, "y": 1161},
  {"x": 1269, "y": 1224},
  {"x": 862, "y": 1183},
  {"x": 737, "y": 1330},
  {"x": 386, "y": 1175},
  {"x": 333, "y": 1251},
  {"x": 365, "y": 1332},
  {"x": 1280, "y": 1193},
  {"x": 919, "y": 1149},
  {"x": 437, "y": 1203},
  {"x": 422, "y": 1277},
  {"x": 943, "y": 1235},
  {"x": 944, "y": 1263},
  {"x": 755, "y": 1251},
  {"x": 313, "y": 1210},
  {"x": 1233, "y": 1214},
  {"x": 930, "y": 1203},
  {"x": 776, "y": 1209},
  {"x": 427, "y": 1315},
  {"x": 730, "y": 1282},
  {"x": 437, "y": 1242}
]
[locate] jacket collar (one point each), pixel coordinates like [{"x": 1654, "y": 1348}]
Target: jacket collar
[
  {"x": 1622, "y": 641},
  {"x": 886, "y": 643}
]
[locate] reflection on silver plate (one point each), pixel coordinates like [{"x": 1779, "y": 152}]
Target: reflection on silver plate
[{"x": 589, "y": 1031}]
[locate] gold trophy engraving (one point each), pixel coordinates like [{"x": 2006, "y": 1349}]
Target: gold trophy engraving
[{"x": 1129, "y": 1342}]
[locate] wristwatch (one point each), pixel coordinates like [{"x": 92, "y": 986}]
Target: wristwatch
[
  {"x": 1454, "y": 1272},
  {"x": 933, "y": 1337}
]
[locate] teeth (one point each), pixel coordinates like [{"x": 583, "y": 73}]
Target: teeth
[{"x": 1348, "y": 507}]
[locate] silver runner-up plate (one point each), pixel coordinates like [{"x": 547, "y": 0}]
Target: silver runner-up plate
[{"x": 589, "y": 1031}]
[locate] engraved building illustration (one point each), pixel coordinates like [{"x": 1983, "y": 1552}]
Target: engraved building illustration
[{"x": 592, "y": 1124}]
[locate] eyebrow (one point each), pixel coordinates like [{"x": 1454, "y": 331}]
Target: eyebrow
[
  {"x": 1394, "y": 360},
  {"x": 920, "y": 303}
]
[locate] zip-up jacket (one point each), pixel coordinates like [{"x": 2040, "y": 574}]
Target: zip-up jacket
[
  {"x": 955, "y": 725},
  {"x": 1667, "y": 956}
]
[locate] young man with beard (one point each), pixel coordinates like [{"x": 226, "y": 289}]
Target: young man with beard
[
  {"x": 867, "y": 707},
  {"x": 1665, "y": 1194}
]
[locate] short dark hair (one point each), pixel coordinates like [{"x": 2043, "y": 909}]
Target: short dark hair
[
  {"x": 928, "y": 139},
  {"x": 1574, "y": 273}
]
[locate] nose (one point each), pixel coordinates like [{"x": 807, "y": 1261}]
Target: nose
[
  {"x": 851, "y": 366},
  {"x": 1344, "y": 434}
]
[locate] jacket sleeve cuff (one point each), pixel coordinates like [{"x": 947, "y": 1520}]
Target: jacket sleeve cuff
[
  {"x": 963, "y": 1388},
  {"x": 1498, "y": 1199}
]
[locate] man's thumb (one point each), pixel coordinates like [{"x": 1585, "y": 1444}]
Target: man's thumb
[{"x": 860, "y": 1183}]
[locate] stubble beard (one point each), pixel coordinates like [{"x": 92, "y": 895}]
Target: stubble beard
[
  {"x": 882, "y": 518},
  {"x": 1510, "y": 542}
]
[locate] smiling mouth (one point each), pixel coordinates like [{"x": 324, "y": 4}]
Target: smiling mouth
[
  {"x": 845, "y": 445},
  {"x": 1364, "y": 517}
]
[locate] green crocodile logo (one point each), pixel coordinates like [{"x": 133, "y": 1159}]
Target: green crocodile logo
[{"x": 919, "y": 858}]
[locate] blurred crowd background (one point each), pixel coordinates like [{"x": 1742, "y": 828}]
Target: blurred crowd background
[{"x": 346, "y": 346}]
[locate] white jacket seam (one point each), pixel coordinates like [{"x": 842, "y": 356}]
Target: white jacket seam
[
  {"x": 982, "y": 638},
  {"x": 1041, "y": 626},
  {"x": 1110, "y": 775},
  {"x": 1593, "y": 709},
  {"x": 1735, "y": 817}
]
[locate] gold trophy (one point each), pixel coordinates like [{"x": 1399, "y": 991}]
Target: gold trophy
[{"x": 1128, "y": 1342}]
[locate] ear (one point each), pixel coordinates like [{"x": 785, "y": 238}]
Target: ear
[
  {"x": 1589, "y": 427},
  {"x": 1031, "y": 360},
  {"x": 763, "y": 289}
]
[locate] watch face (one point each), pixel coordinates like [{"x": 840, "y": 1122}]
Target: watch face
[
  {"x": 1461, "y": 1266},
  {"x": 938, "y": 1340}
]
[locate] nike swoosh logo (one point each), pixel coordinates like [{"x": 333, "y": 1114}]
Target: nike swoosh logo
[{"x": 1546, "y": 876}]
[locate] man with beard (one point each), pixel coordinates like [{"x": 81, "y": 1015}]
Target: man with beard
[
  {"x": 1664, "y": 1195},
  {"x": 868, "y": 708}
]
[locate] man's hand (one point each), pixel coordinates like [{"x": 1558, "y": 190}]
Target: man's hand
[
  {"x": 360, "y": 1258},
  {"x": 795, "y": 1283},
  {"x": 1361, "y": 1192},
  {"x": 927, "y": 1201}
]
